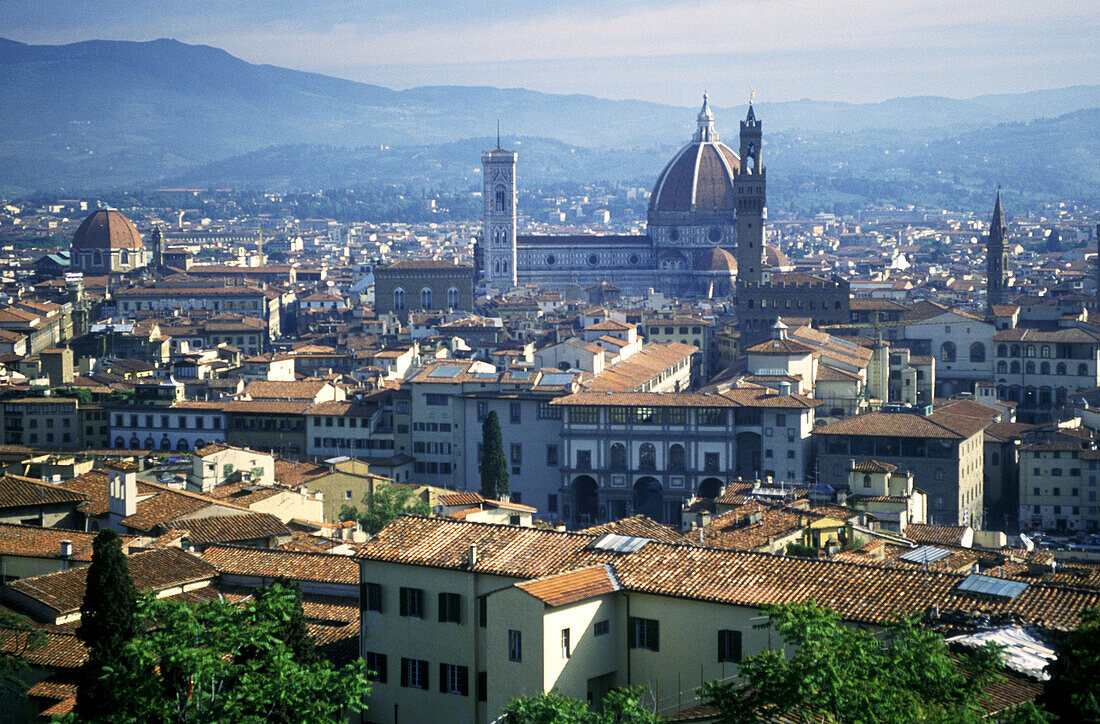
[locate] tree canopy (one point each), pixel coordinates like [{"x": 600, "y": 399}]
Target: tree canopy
[
  {"x": 108, "y": 622},
  {"x": 1073, "y": 693},
  {"x": 619, "y": 706},
  {"x": 841, "y": 673},
  {"x": 386, "y": 503},
  {"x": 222, "y": 662},
  {"x": 494, "y": 464}
]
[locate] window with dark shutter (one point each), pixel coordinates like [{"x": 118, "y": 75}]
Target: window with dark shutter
[
  {"x": 482, "y": 612},
  {"x": 376, "y": 664},
  {"x": 482, "y": 686},
  {"x": 454, "y": 679},
  {"x": 414, "y": 673},
  {"x": 370, "y": 597},
  {"x": 450, "y": 608},
  {"x": 729, "y": 646},
  {"x": 412, "y": 602}
]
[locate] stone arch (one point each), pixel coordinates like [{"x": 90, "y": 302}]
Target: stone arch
[
  {"x": 948, "y": 351},
  {"x": 977, "y": 352},
  {"x": 676, "y": 458},
  {"x": 710, "y": 488},
  {"x": 181, "y": 445},
  {"x": 648, "y": 498},
  {"x": 585, "y": 500}
]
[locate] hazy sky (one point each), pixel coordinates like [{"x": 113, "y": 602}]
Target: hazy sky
[{"x": 660, "y": 50}]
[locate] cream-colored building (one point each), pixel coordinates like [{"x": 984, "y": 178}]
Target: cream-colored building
[
  {"x": 218, "y": 463},
  {"x": 459, "y": 617}
]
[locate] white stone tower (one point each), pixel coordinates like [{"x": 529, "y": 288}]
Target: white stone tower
[{"x": 498, "y": 233}]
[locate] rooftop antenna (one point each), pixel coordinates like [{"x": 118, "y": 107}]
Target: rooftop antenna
[{"x": 498, "y": 136}]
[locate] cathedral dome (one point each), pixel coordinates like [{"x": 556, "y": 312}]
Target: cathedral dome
[
  {"x": 700, "y": 176},
  {"x": 775, "y": 258},
  {"x": 105, "y": 230},
  {"x": 716, "y": 259}
]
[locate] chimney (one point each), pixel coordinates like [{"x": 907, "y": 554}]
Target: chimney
[
  {"x": 784, "y": 388},
  {"x": 473, "y": 555},
  {"x": 122, "y": 492},
  {"x": 831, "y": 547},
  {"x": 66, "y": 548}
]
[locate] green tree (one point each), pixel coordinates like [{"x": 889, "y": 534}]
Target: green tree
[
  {"x": 291, "y": 629},
  {"x": 221, "y": 662},
  {"x": 619, "y": 706},
  {"x": 840, "y": 673},
  {"x": 386, "y": 503},
  {"x": 108, "y": 622},
  {"x": 1073, "y": 692},
  {"x": 494, "y": 464},
  {"x": 18, "y": 638}
]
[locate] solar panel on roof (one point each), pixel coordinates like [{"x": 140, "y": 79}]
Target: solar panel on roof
[
  {"x": 521, "y": 375},
  {"x": 485, "y": 375},
  {"x": 556, "y": 378},
  {"x": 924, "y": 554},
  {"x": 446, "y": 371},
  {"x": 990, "y": 586},
  {"x": 618, "y": 543}
]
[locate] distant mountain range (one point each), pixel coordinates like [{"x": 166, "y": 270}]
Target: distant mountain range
[{"x": 111, "y": 114}]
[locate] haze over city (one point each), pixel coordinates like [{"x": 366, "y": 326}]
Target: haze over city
[{"x": 851, "y": 50}]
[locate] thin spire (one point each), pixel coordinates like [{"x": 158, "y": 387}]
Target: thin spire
[
  {"x": 498, "y": 133},
  {"x": 998, "y": 221},
  {"x": 705, "y": 120}
]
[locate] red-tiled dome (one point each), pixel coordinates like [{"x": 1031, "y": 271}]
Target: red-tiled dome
[
  {"x": 104, "y": 230},
  {"x": 698, "y": 178},
  {"x": 716, "y": 259}
]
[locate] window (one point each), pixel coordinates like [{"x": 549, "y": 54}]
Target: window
[
  {"x": 547, "y": 411},
  {"x": 412, "y": 602},
  {"x": 452, "y": 298},
  {"x": 584, "y": 460},
  {"x": 454, "y": 679},
  {"x": 565, "y": 651},
  {"x": 370, "y": 597},
  {"x": 435, "y": 400},
  {"x": 618, "y": 456},
  {"x": 482, "y": 410},
  {"x": 601, "y": 628},
  {"x": 676, "y": 458},
  {"x": 584, "y": 415},
  {"x": 729, "y": 646},
  {"x": 517, "y": 453},
  {"x": 450, "y": 608},
  {"x": 515, "y": 413},
  {"x": 710, "y": 462},
  {"x": 425, "y": 298},
  {"x": 551, "y": 456},
  {"x": 414, "y": 673},
  {"x": 647, "y": 457},
  {"x": 398, "y": 299},
  {"x": 376, "y": 667},
  {"x": 644, "y": 634},
  {"x": 515, "y": 646}
]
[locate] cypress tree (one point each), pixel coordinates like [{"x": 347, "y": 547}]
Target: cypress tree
[
  {"x": 108, "y": 620},
  {"x": 494, "y": 464}
]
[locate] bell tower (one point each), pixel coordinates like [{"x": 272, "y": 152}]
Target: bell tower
[
  {"x": 750, "y": 187},
  {"x": 498, "y": 232},
  {"x": 996, "y": 259}
]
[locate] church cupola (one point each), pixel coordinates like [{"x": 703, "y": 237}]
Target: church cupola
[{"x": 705, "y": 131}]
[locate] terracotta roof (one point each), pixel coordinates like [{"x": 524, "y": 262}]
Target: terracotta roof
[
  {"x": 781, "y": 347},
  {"x": 754, "y": 396},
  {"x": 936, "y": 425},
  {"x": 926, "y": 533},
  {"x": 859, "y": 593},
  {"x": 106, "y": 229},
  {"x": 299, "y": 390},
  {"x": 231, "y": 528},
  {"x": 19, "y": 492},
  {"x": 571, "y": 586},
  {"x": 299, "y": 566},
  {"x": 640, "y": 367},
  {"x": 873, "y": 466},
  {"x": 638, "y": 526},
  {"x": 61, "y": 651},
  {"x": 151, "y": 570},
  {"x": 34, "y": 542}
]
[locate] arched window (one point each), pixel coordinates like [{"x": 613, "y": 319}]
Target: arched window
[
  {"x": 1044, "y": 368},
  {"x": 150, "y": 444},
  {"x": 97, "y": 258},
  {"x": 426, "y": 298},
  {"x": 1002, "y": 350},
  {"x": 398, "y": 299},
  {"x": 1002, "y": 367},
  {"x": 124, "y": 257},
  {"x": 1015, "y": 350},
  {"x": 135, "y": 443},
  {"x": 452, "y": 298},
  {"x": 199, "y": 443},
  {"x": 1015, "y": 366},
  {"x": 182, "y": 445},
  {"x": 1030, "y": 368},
  {"x": 165, "y": 443},
  {"x": 676, "y": 458},
  {"x": 1044, "y": 351},
  {"x": 1030, "y": 351},
  {"x": 1060, "y": 370},
  {"x": 1082, "y": 369},
  {"x": 499, "y": 199},
  {"x": 977, "y": 352},
  {"x": 647, "y": 457},
  {"x": 866, "y": 481},
  {"x": 618, "y": 456},
  {"x": 120, "y": 443},
  {"x": 947, "y": 351}
]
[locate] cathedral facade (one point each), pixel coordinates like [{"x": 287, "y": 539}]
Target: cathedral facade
[{"x": 705, "y": 222}]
